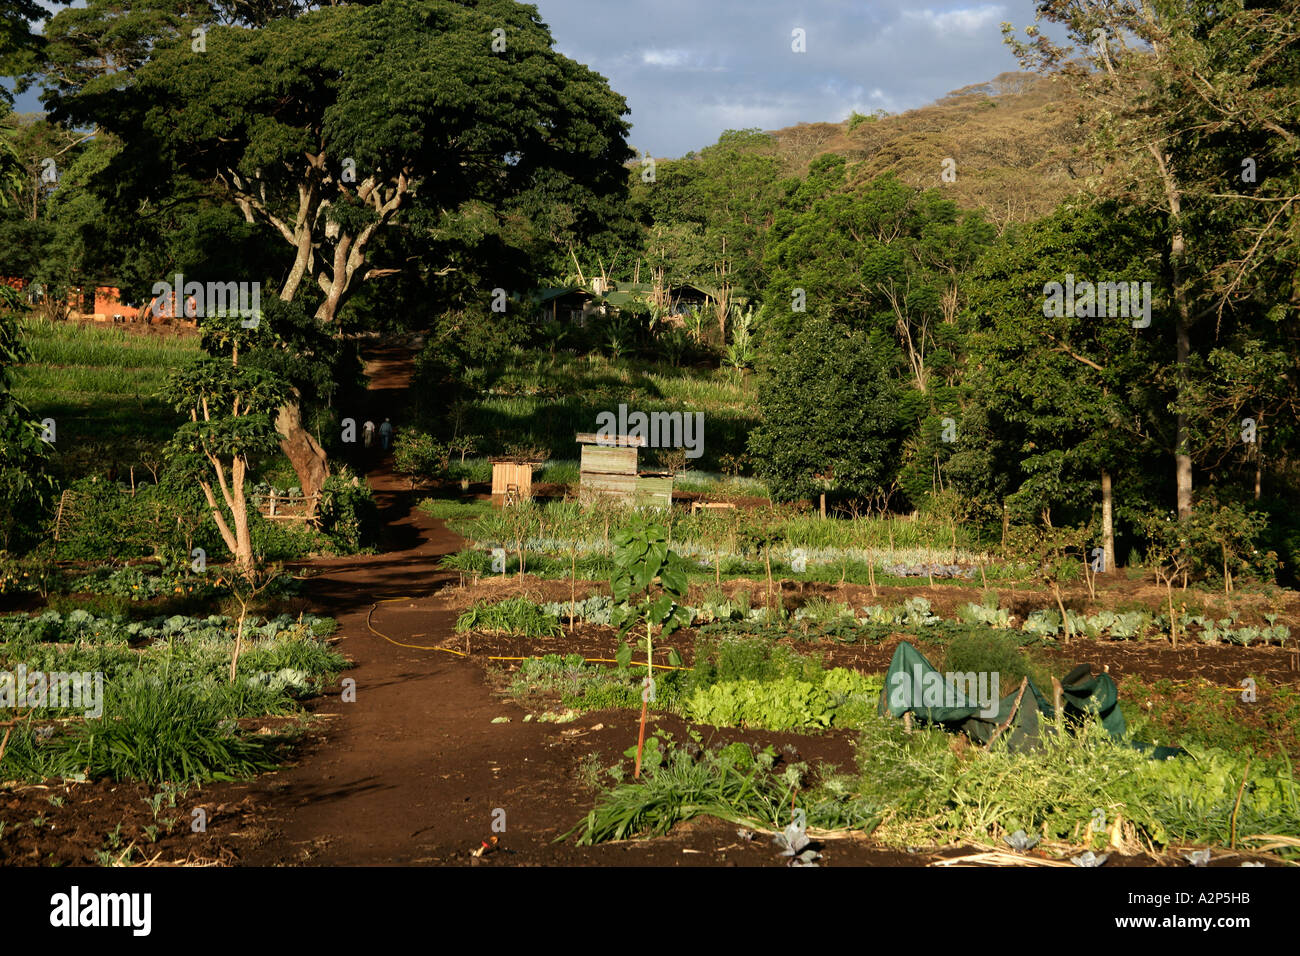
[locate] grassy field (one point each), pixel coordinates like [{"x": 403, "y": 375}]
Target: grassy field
[{"x": 100, "y": 385}]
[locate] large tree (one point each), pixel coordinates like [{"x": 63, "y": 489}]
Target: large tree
[
  {"x": 230, "y": 407},
  {"x": 335, "y": 126},
  {"x": 24, "y": 482},
  {"x": 834, "y": 413},
  {"x": 707, "y": 215},
  {"x": 1195, "y": 110},
  {"x": 1061, "y": 407}
]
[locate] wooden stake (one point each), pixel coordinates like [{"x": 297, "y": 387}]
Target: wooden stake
[
  {"x": 1024, "y": 682},
  {"x": 1237, "y": 806},
  {"x": 640, "y": 740}
]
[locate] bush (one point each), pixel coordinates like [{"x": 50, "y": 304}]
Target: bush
[
  {"x": 418, "y": 455},
  {"x": 990, "y": 652},
  {"x": 348, "y": 512}
]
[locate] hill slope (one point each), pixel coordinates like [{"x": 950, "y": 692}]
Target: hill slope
[{"x": 1014, "y": 141}]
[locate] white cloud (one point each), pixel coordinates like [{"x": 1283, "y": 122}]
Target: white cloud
[
  {"x": 664, "y": 57},
  {"x": 693, "y": 69},
  {"x": 962, "y": 20}
]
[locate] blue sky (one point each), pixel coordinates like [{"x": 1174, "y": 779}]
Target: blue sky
[{"x": 693, "y": 68}]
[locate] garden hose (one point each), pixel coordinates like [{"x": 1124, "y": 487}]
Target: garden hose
[{"x": 448, "y": 650}]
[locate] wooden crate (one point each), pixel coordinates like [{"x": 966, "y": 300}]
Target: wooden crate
[
  {"x": 653, "y": 491},
  {"x": 607, "y": 460},
  {"x": 620, "y": 486},
  {"x": 506, "y": 474}
]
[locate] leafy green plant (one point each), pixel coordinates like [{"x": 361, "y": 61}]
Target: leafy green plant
[
  {"x": 157, "y": 730},
  {"x": 732, "y": 784},
  {"x": 649, "y": 586},
  {"x": 980, "y": 614},
  {"x": 785, "y": 704},
  {"x": 517, "y": 616},
  {"x": 420, "y": 456}
]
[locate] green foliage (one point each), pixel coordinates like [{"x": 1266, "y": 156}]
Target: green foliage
[
  {"x": 649, "y": 580},
  {"x": 936, "y": 796},
  {"x": 348, "y": 513},
  {"x": 735, "y": 658},
  {"x": 1200, "y": 713},
  {"x": 138, "y": 584},
  {"x": 597, "y": 609},
  {"x": 980, "y": 614},
  {"x": 449, "y": 510},
  {"x": 417, "y": 454},
  {"x": 833, "y": 415},
  {"x": 593, "y": 686},
  {"x": 784, "y": 704},
  {"x": 735, "y": 786},
  {"x": 516, "y": 616},
  {"x": 996, "y": 652},
  {"x": 157, "y": 730},
  {"x": 168, "y": 707},
  {"x": 25, "y": 486}
]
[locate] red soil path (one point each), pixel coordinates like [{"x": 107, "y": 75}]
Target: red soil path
[{"x": 413, "y": 770}]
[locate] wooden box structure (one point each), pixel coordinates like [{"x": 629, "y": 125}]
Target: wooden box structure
[
  {"x": 609, "y": 467},
  {"x": 653, "y": 490},
  {"x": 511, "y": 481}
]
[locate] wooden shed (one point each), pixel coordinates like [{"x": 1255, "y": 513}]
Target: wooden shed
[
  {"x": 609, "y": 467},
  {"x": 511, "y": 481}
]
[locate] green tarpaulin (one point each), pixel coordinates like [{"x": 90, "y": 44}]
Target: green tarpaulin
[{"x": 976, "y": 704}]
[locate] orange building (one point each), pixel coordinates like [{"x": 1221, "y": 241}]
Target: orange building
[{"x": 104, "y": 304}]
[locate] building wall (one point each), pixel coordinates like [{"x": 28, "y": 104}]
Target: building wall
[{"x": 105, "y": 304}]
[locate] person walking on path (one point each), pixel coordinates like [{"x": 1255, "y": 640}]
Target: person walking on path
[
  {"x": 368, "y": 432},
  {"x": 386, "y": 433}
]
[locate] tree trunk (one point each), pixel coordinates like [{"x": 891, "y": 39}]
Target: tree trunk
[
  {"x": 303, "y": 451},
  {"x": 1065, "y": 617},
  {"x": 1107, "y": 523},
  {"x": 1182, "y": 457},
  {"x": 239, "y": 510},
  {"x": 1182, "y": 330},
  {"x": 1259, "y": 458}
]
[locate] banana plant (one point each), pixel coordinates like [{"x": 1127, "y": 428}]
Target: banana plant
[{"x": 649, "y": 586}]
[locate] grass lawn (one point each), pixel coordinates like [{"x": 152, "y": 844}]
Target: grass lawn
[{"x": 101, "y": 385}]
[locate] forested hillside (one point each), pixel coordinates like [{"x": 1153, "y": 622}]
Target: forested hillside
[{"x": 1016, "y": 143}]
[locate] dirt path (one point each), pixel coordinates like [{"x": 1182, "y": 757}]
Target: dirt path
[{"x": 415, "y": 771}]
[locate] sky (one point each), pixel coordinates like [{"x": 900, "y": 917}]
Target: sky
[{"x": 690, "y": 69}]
